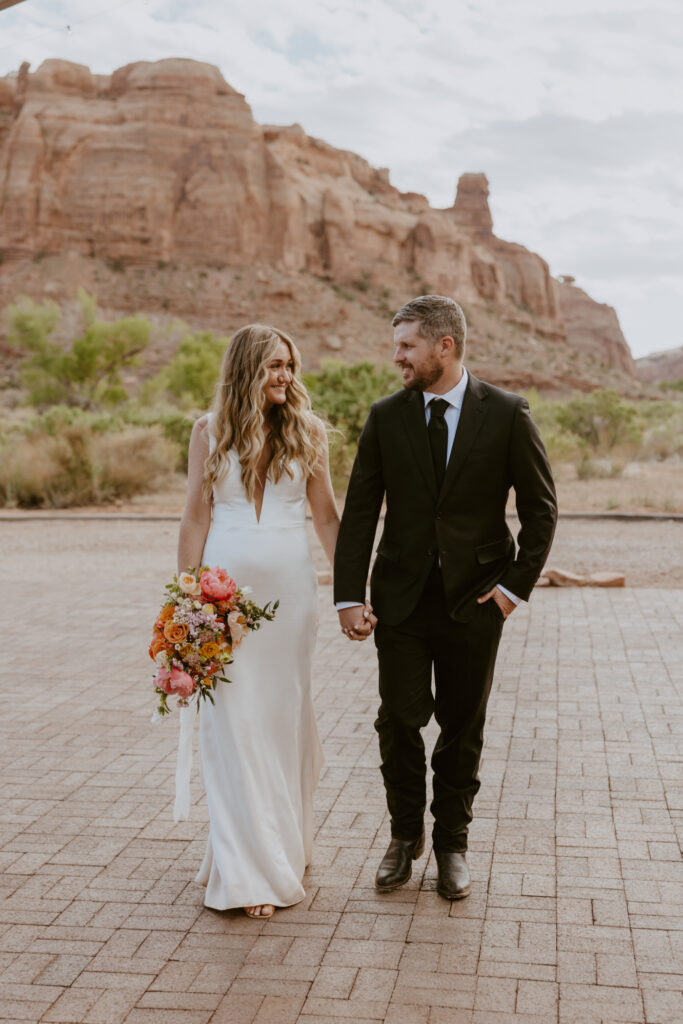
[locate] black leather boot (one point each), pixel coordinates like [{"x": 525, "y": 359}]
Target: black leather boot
[
  {"x": 454, "y": 882},
  {"x": 397, "y": 863}
]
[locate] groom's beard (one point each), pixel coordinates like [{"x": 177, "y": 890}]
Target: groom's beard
[{"x": 424, "y": 378}]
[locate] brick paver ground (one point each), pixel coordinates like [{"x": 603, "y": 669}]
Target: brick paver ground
[{"x": 576, "y": 911}]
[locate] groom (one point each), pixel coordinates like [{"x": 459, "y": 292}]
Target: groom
[{"x": 444, "y": 452}]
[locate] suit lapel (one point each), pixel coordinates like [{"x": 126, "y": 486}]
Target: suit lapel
[
  {"x": 471, "y": 418},
  {"x": 414, "y": 422}
]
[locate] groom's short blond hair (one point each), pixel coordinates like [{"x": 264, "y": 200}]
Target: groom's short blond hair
[{"x": 438, "y": 316}]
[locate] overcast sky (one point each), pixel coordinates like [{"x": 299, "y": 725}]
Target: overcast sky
[{"x": 573, "y": 110}]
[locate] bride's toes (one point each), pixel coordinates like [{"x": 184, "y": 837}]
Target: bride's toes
[{"x": 266, "y": 910}]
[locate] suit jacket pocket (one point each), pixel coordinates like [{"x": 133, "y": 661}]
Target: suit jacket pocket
[{"x": 492, "y": 552}]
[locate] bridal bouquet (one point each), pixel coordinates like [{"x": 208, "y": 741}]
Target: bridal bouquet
[{"x": 205, "y": 616}]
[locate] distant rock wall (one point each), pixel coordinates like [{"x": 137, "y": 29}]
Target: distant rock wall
[
  {"x": 164, "y": 162},
  {"x": 658, "y": 366}
]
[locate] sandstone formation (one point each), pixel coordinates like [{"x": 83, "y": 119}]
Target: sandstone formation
[
  {"x": 661, "y": 366},
  {"x": 162, "y": 164}
]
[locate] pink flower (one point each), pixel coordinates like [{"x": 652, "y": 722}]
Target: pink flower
[
  {"x": 217, "y": 585},
  {"x": 162, "y": 679},
  {"x": 176, "y": 681},
  {"x": 181, "y": 683}
]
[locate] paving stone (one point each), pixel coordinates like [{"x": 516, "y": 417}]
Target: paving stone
[{"x": 576, "y": 913}]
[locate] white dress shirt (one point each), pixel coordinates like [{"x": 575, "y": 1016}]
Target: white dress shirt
[{"x": 454, "y": 397}]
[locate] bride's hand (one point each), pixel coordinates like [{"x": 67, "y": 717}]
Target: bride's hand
[
  {"x": 370, "y": 616},
  {"x": 355, "y": 623}
]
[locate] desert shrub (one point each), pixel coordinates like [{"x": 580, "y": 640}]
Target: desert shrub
[
  {"x": 664, "y": 439},
  {"x": 191, "y": 375},
  {"x": 88, "y": 373},
  {"x": 135, "y": 460},
  {"x": 602, "y": 419},
  {"x": 81, "y": 466},
  {"x": 175, "y": 425},
  {"x": 561, "y": 447},
  {"x": 342, "y": 394}
]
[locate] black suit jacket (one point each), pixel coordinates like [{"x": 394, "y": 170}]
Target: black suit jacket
[{"x": 496, "y": 446}]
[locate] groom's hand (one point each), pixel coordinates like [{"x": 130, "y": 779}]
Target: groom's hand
[
  {"x": 506, "y": 606},
  {"x": 358, "y": 622}
]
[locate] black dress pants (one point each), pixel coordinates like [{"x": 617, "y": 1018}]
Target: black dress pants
[{"x": 462, "y": 655}]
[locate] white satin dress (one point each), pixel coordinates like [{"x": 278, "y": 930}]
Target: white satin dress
[{"x": 260, "y": 751}]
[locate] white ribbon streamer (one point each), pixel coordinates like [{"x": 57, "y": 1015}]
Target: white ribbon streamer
[{"x": 181, "y": 807}]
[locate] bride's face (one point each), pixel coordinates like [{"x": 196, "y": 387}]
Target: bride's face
[{"x": 280, "y": 374}]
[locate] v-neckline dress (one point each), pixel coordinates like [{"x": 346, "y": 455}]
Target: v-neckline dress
[{"x": 260, "y": 751}]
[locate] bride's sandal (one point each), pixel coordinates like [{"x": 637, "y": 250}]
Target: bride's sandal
[{"x": 264, "y": 911}]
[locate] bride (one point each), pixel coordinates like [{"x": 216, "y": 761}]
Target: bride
[{"x": 254, "y": 460}]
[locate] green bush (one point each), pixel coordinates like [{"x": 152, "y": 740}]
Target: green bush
[
  {"x": 191, "y": 375},
  {"x": 86, "y": 375},
  {"x": 602, "y": 419},
  {"x": 343, "y": 394}
]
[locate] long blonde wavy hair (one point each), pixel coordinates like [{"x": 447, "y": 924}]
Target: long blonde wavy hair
[{"x": 295, "y": 434}]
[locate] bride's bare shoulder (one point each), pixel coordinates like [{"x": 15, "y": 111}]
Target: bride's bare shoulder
[{"x": 200, "y": 432}]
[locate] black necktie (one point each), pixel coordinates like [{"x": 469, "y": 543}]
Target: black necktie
[{"x": 438, "y": 438}]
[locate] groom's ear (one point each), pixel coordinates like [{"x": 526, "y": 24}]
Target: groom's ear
[{"x": 446, "y": 345}]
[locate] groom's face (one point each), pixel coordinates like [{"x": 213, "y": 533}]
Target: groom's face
[{"x": 416, "y": 357}]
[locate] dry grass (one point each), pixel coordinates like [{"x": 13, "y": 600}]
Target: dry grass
[
  {"x": 78, "y": 467},
  {"x": 641, "y": 487}
]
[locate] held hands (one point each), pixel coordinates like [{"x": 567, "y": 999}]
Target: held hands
[
  {"x": 357, "y": 623},
  {"x": 506, "y": 606}
]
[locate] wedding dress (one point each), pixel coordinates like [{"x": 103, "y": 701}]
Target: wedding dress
[{"x": 260, "y": 751}]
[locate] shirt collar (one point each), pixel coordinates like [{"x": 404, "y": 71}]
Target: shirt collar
[{"x": 454, "y": 397}]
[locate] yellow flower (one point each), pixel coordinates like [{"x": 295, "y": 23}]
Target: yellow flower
[{"x": 209, "y": 649}]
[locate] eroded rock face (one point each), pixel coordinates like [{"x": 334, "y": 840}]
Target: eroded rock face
[
  {"x": 661, "y": 366},
  {"x": 164, "y": 162},
  {"x": 593, "y": 330},
  {"x": 471, "y": 206}
]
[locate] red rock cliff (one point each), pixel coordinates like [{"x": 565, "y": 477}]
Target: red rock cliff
[{"x": 164, "y": 162}]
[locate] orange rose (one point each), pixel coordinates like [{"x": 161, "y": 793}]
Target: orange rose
[
  {"x": 186, "y": 651},
  {"x": 209, "y": 649},
  {"x": 158, "y": 644},
  {"x": 164, "y": 615},
  {"x": 176, "y": 632}
]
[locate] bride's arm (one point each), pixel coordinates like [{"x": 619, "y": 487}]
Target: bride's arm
[
  {"x": 196, "y": 520},
  {"x": 323, "y": 504}
]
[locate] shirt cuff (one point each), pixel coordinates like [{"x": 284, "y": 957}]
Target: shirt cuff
[
  {"x": 341, "y": 605},
  {"x": 508, "y": 594}
]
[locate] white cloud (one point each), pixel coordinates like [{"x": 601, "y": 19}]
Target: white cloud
[{"x": 574, "y": 111}]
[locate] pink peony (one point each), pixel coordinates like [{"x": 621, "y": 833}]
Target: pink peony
[
  {"x": 162, "y": 679},
  {"x": 176, "y": 681},
  {"x": 181, "y": 683},
  {"x": 217, "y": 585}
]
